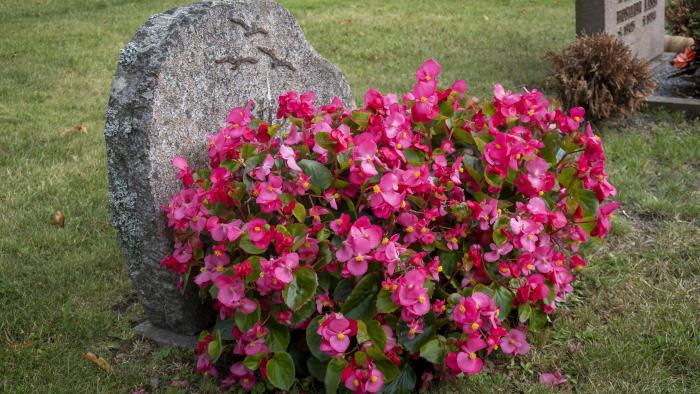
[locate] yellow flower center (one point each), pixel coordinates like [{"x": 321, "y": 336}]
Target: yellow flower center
[
  {"x": 399, "y": 146},
  {"x": 336, "y": 196},
  {"x": 196, "y": 218},
  {"x": 462, "y": 308},
  {"x": 439, "y": 269},
  {"x": 409, "y": 229},
  {"x": 518, "y": 156},
  {"x": 269, "y": 188},
  {"x": 475, "y": 326},
  {"x": 306, "y": 185},
  {"x": 385, "y": 241},
  {"x": 421, "y": 299},
  {"x": 219, "y": 268},
  {"x": 356, "y": 383},
  {"x": 341, "y": 336},
  {"x": 376, "y": 189},
  {"x": 472, "y": 356},
  {"x": 359, "y": 258},
  {"x": 529, "y": 266},
  {"x": 460, "y": 169},
  {"x": 412, "y": 331},
  {"x": 423, "y": 99},
  {"x": 202, "y": 269},
  {"x": 423, "y": 230},
  {"x": 403, "y": 204},
  {"x": 262, "y": 275},
  {"x": 541, "y": 193},
  {"x": 217, "y": 253},
  {"x": 427, "y": 77},
  {"x": 577, "y": 118},
  {"x": 453, "y": 240},
  {"x": 257, "y": 229},
  {"x": 416, "y": 173}
]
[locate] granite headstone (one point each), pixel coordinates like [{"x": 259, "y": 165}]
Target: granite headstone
[
  {"x": 640, "y": 23},
  {"x": 175, "y": 83}
]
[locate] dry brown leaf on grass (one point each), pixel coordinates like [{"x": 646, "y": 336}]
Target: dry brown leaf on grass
[
  {"x": 79, "y": 128},
  {"x": 99, "y": 361},
  {"x": 59, "y": 219},
  {"x": 18, "y": 345}
]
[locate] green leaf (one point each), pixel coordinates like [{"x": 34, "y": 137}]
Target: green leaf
[
  {"x": 388, "y": 368},
  {"x": 301, "y": 289},
  {"x": 278, "y": 337},
  {"x": 360, "y": 303},
  {"x": 299, "y": 212},
  {"x": 214, "y": 349},
  {"x": 371, "y": 331},
  {"x": 434, "y": 351},
  {"x": 384, "y": 302},
  {"x": 551, "y": 146},
  {"x": 248, "y": 151},
  {"x": 317, "y": 368},
  {"x": 253, "y": 361},
  {"x": 449, "y": 262},
  {"x": 524, "y": 312},
  {"x": 225, "y": 327},
  {"x": 403, "y": 384},
  {"x": 588, "y": 201},
  {"x": 323, "y": 138},
  {"x": 413, "y": 345},
  {"x": 360, "y": 118},
  {"x": 342, "y": 290},
  {"x": 248, "y": 246},
  {"x": 480, "y": 288},
  {"x": 313, "y": 340},
  {"x": 321, "y": 177},
  {"x": 304, "y": 312},
  {"x": 498, "y": 237},
  {"x": 333, "y": 372},
  {"x": 537, "y": 320},
  {"x": 280, "y": 371},
  {"x": 244, "y": 321},
  {"x": 566, "y": 176},
  {"x": 503, "y": 298},
  {"x": 414, "y": 157}
]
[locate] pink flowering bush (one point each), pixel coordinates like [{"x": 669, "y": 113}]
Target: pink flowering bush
[{"x": 410, "y": 239}]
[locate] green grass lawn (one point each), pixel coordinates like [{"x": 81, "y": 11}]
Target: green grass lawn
[{"x": 633, "y": 325}]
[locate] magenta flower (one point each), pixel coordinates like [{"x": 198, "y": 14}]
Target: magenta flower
[
  {"x": 362, "y": 238},
  {"x": 365, "y": 380},
  {"x": 285, "y": 267},
  {"x": 341, "y": 225},
  {"x": 288, "y": 155},
  {"x": 385, "y": 199},
  {"x": 335, "y": 331},
  {"x": 428, "y": 72},
  {"x": 269, "y": 192},
  {"x": 185, "y": 174},
  {"x": 466, "y": 360},
  {"x": 552, "y": 379},
  {"x": 259, "y": 232},
  {"x": 365, "y": 153},
  {"x": 497, "y": 251},
  {"x": 239, "y": 373},
  {"x": 514, "y": 343},
  {"x": 260, "y": 173}
]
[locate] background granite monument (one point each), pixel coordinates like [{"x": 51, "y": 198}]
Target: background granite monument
[
  {"x": 640, "y": 23},
  {"x": 175, "y": 83}
]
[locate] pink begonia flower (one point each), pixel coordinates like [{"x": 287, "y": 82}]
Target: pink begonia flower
[
  {"x": 415, "y": 230},
  {"x": 416, "y": 176},
  {"x": 341, "y": 225},
  {"x": 240, "y": 373},
  {"x": 260, "y": 173},
  {"x": 240, "y": 117},
  {"x": 363, "y": 380},
  {"x": 182, "y": 252},
  {"x": 385, "y": 199},
  {"x": 466, "y": 359},
  {"x": 537, "y": 180},
  {"x": 323, "y": 301},
  {"x": 259, "y": 232},
  {"x": 269, "y": 192},
  {"x": 497, "y": 251},
  {"x": 362, "y": 238},
  {"x": 335, "y": 331},
  {"x": 232, "y": 293},
  {"x": 251, "y": 342},
  {"x": 465, "y": 311},
  {"x": 412, "y": 295},
  {"x": 204, "y": 365},
  {"x": 285, "y": 267},
  {"x": 428, "y": 72},
  {"x": 425, "y": 104},
  {"x": 603, "y": 225},
  {"x": 389, "y": 252},
  {"x": 287, "y": 154},
  {"x": 185, "y": 174},
  {"x": 365, "y": 152},
  {"x": 514, "y": 343},
  {"x": 552, "y": 379}
]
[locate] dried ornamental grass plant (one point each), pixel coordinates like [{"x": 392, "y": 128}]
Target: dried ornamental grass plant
[{"x": 599, "y": 73}]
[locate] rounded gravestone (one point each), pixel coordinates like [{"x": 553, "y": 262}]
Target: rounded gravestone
[{"x": 176, "y": 81}]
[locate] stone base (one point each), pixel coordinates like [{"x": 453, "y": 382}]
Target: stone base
[
  {"x": 671, "y": 94},
  {"x": 164, "y": 337}
]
